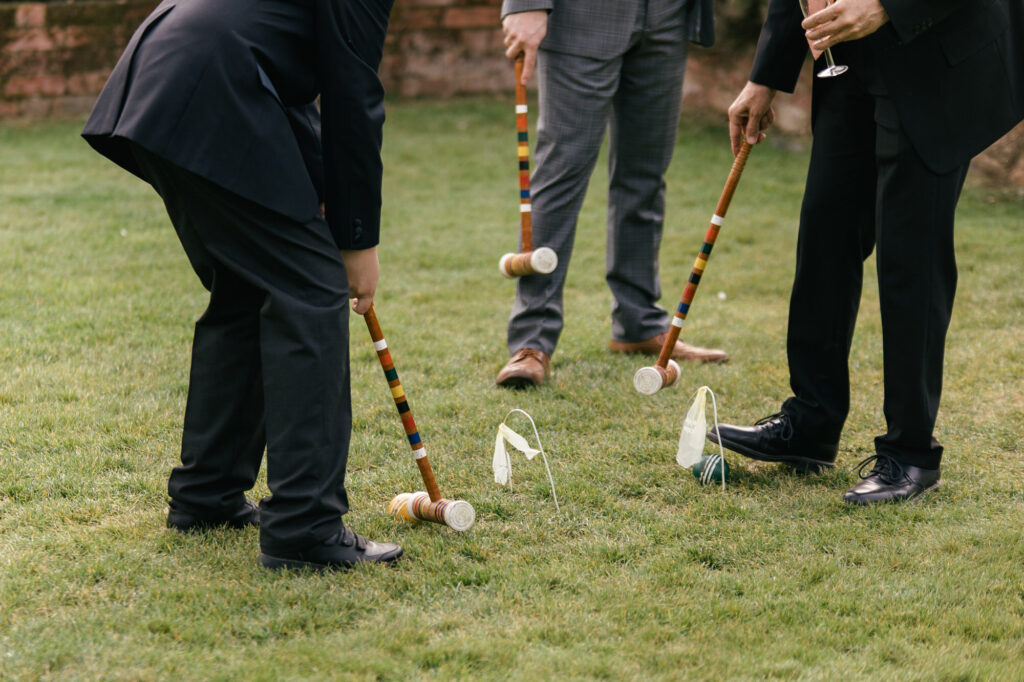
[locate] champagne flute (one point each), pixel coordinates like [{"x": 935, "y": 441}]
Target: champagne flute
[{"x": 832, "y": 69}]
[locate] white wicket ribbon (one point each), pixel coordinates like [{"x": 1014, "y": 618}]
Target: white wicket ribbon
[
  {"x": 521, "y": 109},
  {"x": 380, "y": 345},
  {"x": 717, "y": 220},
  {"x": 677, "y": 321},
  {"x": 693, "y": 434},
  {"x": 420, "y": 453},
  {"x": 502, "y": 463},
  {"x": 525, "y": 208}
]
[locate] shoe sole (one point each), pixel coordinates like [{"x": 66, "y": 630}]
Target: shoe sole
[
  {"x": 902, "y": 500},
  {"x": 802, "y": 465},
  {"x": 517, "y": 382},
  {"x": 280, "y": 563}
]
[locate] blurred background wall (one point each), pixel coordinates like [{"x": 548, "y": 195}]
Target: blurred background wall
[{"x": 56, "y": 55}]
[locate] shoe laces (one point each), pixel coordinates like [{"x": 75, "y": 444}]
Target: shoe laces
[
  {"x": 885, "y": 467},
  {"x": 779, "y": 425},
  {"x": 348, "y": 537},
  {"x": 527, "y": 353}
]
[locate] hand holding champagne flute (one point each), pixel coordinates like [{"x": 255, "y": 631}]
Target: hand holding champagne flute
[{"x": 832, "y": 69}]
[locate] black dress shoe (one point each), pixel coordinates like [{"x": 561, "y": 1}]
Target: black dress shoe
[
  {"x": 890, "y": 481},
  {"x": 772, "y": 440},
  {"x": 192, "y": 520},
  {"x": 344, "y": 550}
]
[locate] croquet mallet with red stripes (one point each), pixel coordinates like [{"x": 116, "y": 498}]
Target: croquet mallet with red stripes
[
  {"x": 650, "y": 380},
  {"x": 419, "y": 506},
  {"x": 528, "y": 261}
]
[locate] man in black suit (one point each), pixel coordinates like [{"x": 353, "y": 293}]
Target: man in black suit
[
  {"x": 930, "y": 84},
  {"x": 213, "y": 103}
]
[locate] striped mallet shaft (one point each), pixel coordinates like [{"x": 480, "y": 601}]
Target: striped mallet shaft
[
  {"x": 650, "y": 380},
  {"x": 523, "y": 149},
  {"x": 456, "y": 514},
  {"x": 527, "y": 261}
]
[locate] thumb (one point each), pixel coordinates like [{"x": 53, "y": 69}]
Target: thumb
[{"x": 361, "y": 304}]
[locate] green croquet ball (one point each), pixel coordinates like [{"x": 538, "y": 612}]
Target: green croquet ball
[{"x": 710, "y": 469}]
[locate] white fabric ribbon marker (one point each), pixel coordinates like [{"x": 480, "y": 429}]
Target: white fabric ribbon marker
[
  {"x": 502, "y": 463},
  {"x": 517, "y": 441},
  {"x": 695, "y": 428},
  {"x": 694, "y": 432}
]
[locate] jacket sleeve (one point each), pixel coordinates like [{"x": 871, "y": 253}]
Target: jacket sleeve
[
  {"x": 516, "y": 6},
  {"x": 350, "y": 42},
  {"x": 781, "y": 48}
]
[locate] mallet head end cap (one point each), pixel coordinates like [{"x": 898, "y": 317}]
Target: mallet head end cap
[
  {"x": 503, "y": 266},
  {"x": 544, "y": 260},
  {"x": 460, "y": 515},
  {"x": 647, "y": 380}
]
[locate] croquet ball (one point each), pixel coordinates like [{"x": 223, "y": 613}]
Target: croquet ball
[{"x": 709, "y": 469}]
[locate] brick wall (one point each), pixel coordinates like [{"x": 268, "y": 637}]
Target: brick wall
[
  {"x": 440, "y": 48},
  {"x": 56, "y": 55}
]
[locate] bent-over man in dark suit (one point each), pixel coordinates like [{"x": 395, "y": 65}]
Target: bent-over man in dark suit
[
  {"x": 930, "y": 84},
  {"x": 213, "y": 103}
]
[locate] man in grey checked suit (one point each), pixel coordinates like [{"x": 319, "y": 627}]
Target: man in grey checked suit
[{"x": 601, "y": 64}]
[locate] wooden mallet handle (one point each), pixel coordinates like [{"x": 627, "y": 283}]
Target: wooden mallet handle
[
  {"x": 402, "y": 403},
  {"x": 422, "y": 506},
  {"x": 643, "y": 380},
  {"x": 523, "y": 146},
  {"x": 527, "y": 261}
]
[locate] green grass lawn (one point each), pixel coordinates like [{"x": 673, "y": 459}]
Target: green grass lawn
[{"x": 643, "y": 574}]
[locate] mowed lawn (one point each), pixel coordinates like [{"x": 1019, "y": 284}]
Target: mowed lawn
[{"x": 643, "y": 574}]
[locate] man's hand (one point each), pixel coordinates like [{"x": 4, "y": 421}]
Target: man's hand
[
  {"x": 843, "y": 21},
  {"x": 363, "y": 271},
  {"x": 750, "y": 115},
  {"x": 523, "y": 33}
]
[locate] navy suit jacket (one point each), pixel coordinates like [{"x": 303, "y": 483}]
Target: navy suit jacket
[
  {"x": 228, "y": 90},
  {"x": 953, "y": 68}
]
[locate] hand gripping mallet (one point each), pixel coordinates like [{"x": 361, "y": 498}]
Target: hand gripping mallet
[
  {"x": 528, "y": 261},
  {"x": 650, "y": 380},
  {"x": 419, "y": 506}
]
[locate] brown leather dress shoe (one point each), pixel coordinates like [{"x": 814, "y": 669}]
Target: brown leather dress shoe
[
  {"x": 526, "y": 367},
  {"x": 682, "y": 351}
]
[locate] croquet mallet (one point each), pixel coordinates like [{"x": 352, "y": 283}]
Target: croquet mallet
[
  {"x": 528, "y": 261},
  {"x": 419, "y": 506},
  {"x": 650, "y": 380}
]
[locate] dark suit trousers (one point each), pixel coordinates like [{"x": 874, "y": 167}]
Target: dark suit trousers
[
  {"x": 868, "y": 189},
  {"x": 269, "y": 361}
]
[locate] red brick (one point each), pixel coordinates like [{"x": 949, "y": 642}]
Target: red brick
[
  {"x": 8, "y": 108},
  {"x": 74, "y": 36},
  {"x": 31, "y": 86},
  {"x": 26, "y": 64},
  {"x": 30, "y": 16},
  {"x": 37, "y": 39},
  {"x": 416, "y": 19},
  {"x": 73, "y": 105},
  {"x": 36, "y": 107},
  {"x": 88, "y": 83},
  {"x": 472, "y": 17},
  {"x": 483, "y": 42}
]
